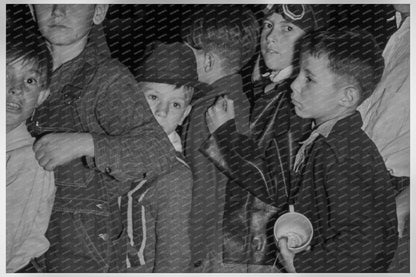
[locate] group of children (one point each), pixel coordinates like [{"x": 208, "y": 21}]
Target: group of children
[{"x": 134, "y": 195}]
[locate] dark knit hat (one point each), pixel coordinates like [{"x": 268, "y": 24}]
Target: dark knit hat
[
  {"x": 301, "y": 15},
  {"x": 173, "y": 64}
]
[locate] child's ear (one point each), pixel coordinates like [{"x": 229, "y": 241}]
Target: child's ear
[
  {"x": 42, "y": 96},
  {"x": 100, "y": 13},
  {"x": 350, "y": 97},
  {"x": 209, "y": 61},
  {"x": 185, "y": 114}
]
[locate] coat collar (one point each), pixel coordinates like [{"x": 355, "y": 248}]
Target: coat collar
[
  {"x": 68, "y": 73},
  {"x": 343, "y": 132},
  {"x": 219, "y": 87}
]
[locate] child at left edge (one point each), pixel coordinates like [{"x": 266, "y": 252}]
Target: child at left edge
[{"x": 30, "y": 190}]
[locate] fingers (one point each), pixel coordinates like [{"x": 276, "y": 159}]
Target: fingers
[
  {"x": 230, "y": 105},
  {"x": 47, "y": 163},
  {"x": 42, "y": 154},
  {"x": 38, "y": 144},
  {"x": 283, "y": 243}
]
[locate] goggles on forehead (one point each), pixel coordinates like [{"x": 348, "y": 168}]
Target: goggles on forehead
[{"x": 292, "y": 11}]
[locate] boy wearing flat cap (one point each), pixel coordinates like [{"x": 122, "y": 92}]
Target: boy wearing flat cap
[{"x": 157, "y": 212}]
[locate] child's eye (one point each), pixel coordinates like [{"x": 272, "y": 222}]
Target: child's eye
[
  {"x": 31, "y": 81},
  {"x": 267, "y": 25},
  {"x": 152, "y": 97},
  {"x": 287, "y": 28},
  {"x": 177, "y": 105},
  {"x": 308, "y": 79}
]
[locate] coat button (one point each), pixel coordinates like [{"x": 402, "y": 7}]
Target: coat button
[
  {"x": 198, "y": 263},
  {"x": 103, "y": 236},
  {"x": 108, "y": 170}
]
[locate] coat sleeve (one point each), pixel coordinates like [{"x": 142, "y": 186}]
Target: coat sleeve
[
  {"x": 134, "y": 145},
  {"x": 353, "y": 215},
  {"x": 239, "y": 157},
  {"x": 173, "y": 252}
]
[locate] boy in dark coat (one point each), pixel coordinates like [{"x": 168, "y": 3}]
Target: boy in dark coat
[
  {"x": 342, "y": 185},
  {"x": 223, "y": 38}
]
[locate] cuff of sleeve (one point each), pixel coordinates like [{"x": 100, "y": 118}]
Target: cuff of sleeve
[
  {"x": 106, "y": 159},
  {"x": 225, "y": 131},
  {"x": 90, "y": 162}
]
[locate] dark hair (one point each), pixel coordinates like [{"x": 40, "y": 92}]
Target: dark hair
[
  {"x": 351, "y": 53},
  {"x": 24, "y": 42},
  {"x": 231, "y": 31}
]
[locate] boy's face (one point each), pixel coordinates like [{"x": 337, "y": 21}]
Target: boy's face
[
  {"x": 64, "y": 24},
  {"x": 316, "y": 91},
  {"x": 24, "y": 92},
  {"x": 278, "y": 38},
  {"x": 168, "y": 104}
]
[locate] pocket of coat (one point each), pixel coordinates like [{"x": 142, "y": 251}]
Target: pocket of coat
[
  {"x": 73, "y": 174},
  {"x": 94, "y": 241},
  {"x": 117, "y": 252}
]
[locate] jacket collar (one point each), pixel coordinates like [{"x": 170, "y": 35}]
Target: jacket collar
[
  {"x": 219, "y": 87},
  {"x": 68, "y": 72},
  {"x": 278, "y": 77},
  {"x": 340, "y": 133},
  {"x": 175, "y": 140}
]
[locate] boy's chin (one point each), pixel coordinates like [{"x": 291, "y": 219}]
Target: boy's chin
[{"x": 300, "y": 113}]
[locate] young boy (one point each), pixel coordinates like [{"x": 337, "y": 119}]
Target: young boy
[
  {"x": 30, "y": 189},
  {"x": 261, "y": 162},
  {"x": 158, "y": 212},
  {"x": 223, "y": 38},
  {"x": 343, "y": 185},
  {"x": 97, "y": 134}
]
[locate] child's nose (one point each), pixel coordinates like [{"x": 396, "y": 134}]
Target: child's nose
[
  {"x": 162, "y": 110},
  {"x": 273, "y": 36},
  {"x": 58, "y": 10},
  {"x": 295, "y": 86},
  {"x": 15, "y": 90}
]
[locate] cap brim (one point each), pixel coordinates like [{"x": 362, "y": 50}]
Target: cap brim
[{"x": 180, "y": 82}]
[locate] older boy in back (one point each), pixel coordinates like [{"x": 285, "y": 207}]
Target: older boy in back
[
  {"x": 223, "y": 38},
  {"x": 343, "y": 186},
  {"x": 98, "y": 136}
]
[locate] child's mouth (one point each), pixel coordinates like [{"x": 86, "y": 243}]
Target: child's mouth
[
  {"x": 58, "y": 26},
  {"x": 296, "y": 103},
  {"x": 13, "y": 107},
  {"x": 272, "y": 51}
]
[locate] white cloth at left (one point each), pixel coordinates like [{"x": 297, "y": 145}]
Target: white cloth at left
[{"x": 30, "y": 192}]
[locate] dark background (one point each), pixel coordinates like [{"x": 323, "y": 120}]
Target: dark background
[{"x": 130, "y": 28}]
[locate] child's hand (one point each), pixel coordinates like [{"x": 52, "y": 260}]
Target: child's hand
[
  {"x": 53, "y": 150},
  {"x": 286, "y": 256},
  {"x": 219, "y": 113}
]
